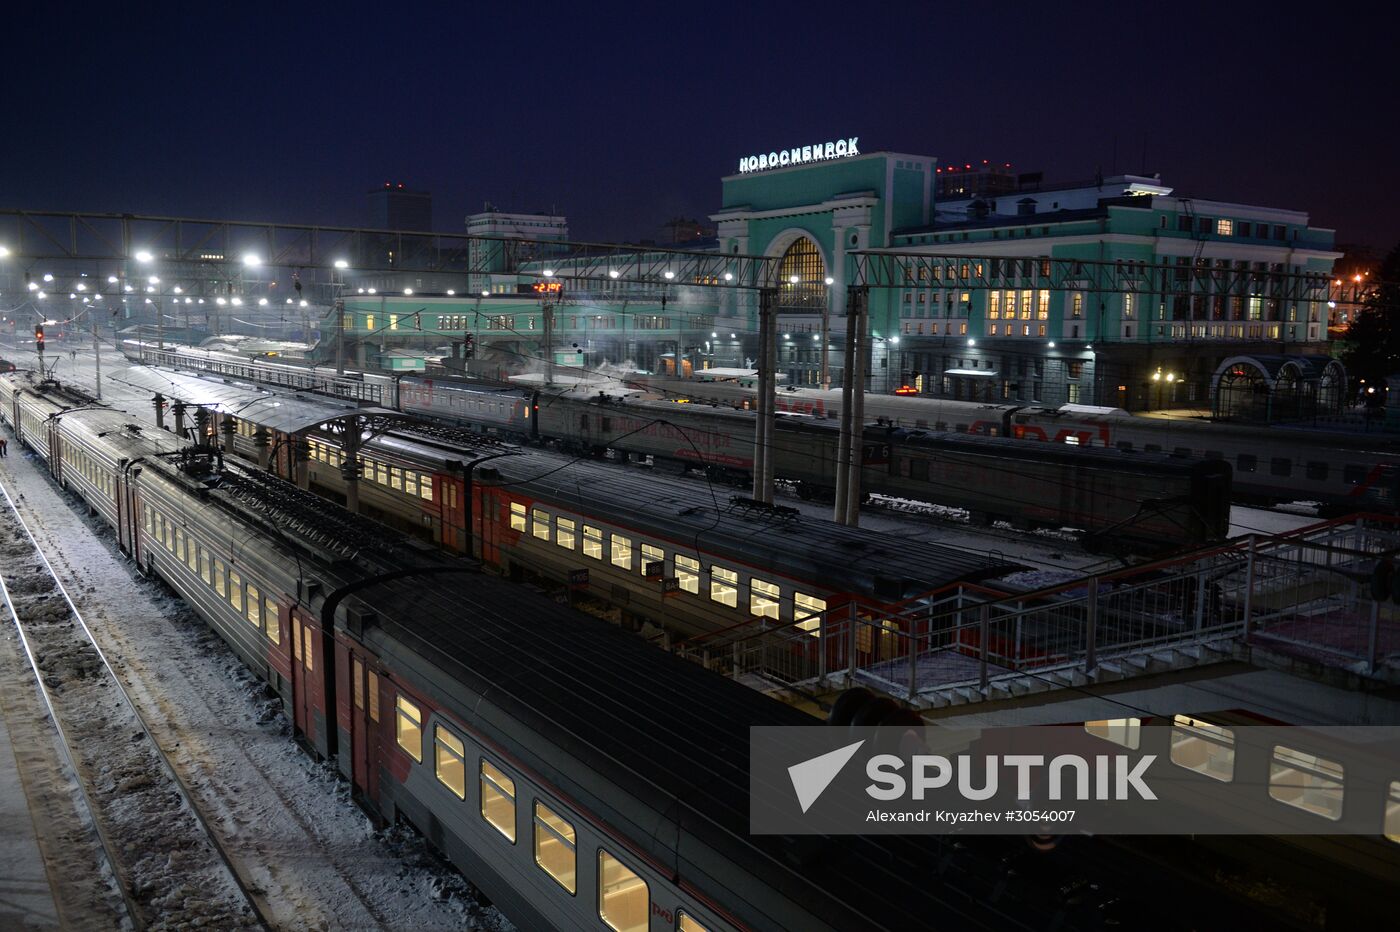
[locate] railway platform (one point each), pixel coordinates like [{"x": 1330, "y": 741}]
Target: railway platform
[{"x": 27, "y": 898}]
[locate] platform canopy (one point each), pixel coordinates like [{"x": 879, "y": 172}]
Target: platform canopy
[{"x": 287, "y": 412}]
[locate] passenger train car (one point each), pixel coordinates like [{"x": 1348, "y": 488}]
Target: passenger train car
[{"x": 581, "y": 779}]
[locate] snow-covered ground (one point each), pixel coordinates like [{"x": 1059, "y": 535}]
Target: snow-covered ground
[{"x": 316, "y": 855}]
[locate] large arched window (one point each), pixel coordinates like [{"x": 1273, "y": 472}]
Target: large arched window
[{"x": 803, "y": 260}]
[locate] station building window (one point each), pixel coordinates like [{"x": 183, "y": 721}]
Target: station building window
[
  {"x": 408, "y": 728},
  {"x": 1309, "y": 782},
  {"x": 556, "y": 847},
  {"x": 621, "y": 551},
  {"x": 592, "y": 542},
  {"x": 450, "y": 761},
  {"x": 1123, "y": 731},
  {"x": 688, "y": 573},
  {"x": 498, "y": 799},
  {"x": 624, "y": 902},
  {"x": 724, "y": 586},
  {"x": 1205, "y": 748},
  {"x": 806, "y": 611},
  {"x": 763, "y": 599},
  {"x": 564, "y": 532},
  {"x": 541, "y": 523}
]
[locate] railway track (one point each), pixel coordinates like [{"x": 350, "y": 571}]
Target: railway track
[{"x": 166, "y": 860}]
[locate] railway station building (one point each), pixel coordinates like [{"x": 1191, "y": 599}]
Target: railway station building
[{"x": 945, "y": 329}]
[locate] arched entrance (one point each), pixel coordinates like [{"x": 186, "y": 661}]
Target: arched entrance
[
  {"x": 1277, "y": 388},
  {"x": 803, "y": 263}
]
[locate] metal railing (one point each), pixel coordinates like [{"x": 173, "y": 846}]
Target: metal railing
[{"x": 1308, "y": 593}]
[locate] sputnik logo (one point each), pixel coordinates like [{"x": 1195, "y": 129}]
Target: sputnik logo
[{"x": 811, "y": 777}]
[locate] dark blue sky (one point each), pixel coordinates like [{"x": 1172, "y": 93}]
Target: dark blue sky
[{"x": 623, "y": 115}]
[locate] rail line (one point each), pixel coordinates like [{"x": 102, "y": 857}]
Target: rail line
[{"x": 170, "y": 865}]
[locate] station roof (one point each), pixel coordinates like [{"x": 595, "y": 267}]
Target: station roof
[{"x": 288, "y": 412}]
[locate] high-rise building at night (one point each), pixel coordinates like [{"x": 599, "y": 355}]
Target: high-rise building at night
[{"x": 394, "y": 207}]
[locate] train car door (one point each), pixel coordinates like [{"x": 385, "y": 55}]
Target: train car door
[
  {"x": 364, "y": 729},
  {"x": 304, "y": 665},
  {"x": 451, "y": 492},
  {"x": 484, "y": 527}
]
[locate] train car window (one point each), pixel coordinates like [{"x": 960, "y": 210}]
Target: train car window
[
  {"x": 1353, "y": 474},
  {"x": 1182, "y": 451},
  {"x": 555, "y": 847},
  {"x": 425, "y": 488},
  {"x": 498, "y": 799},
  {"x": 408, "y": 728},
  {"x": 1392, "y": 812},
  {"x": 179, "y": 544},
  {"x": 540, "y": 519},
  {"x": 624, "y": 902},
  {"x": 1153, "y": 448},
  {"x": 652, "y": 554},
  {"x": 357, "y": 682},
  {"x": 410, "y": 482},
  {"x": 1214, "y": 455},
  {"x": 724, "y": 586},
  {"x": 372, "y": 682},
  {"x": 450, "y": 761},
  {"x": 806, "y": 611},
  {"x": 381, "y": 473},
  {"x": 918, "y": 470},
  {"x": 763, "y": 599},
  {"x": 686, "y": 923},
  {"x": 1125, "y": 446},
  {"x": 254, "y": 606},
  {"x": 688, "y": 574},
  {"x": 296, "y": 640},
  {"x": 274, "y": 624},
  {"x": 1246, "y": 462},
  {"x": 621, "y": 551},
  {"x": 593, "y": 542},
  {"x": 1123, "y": 731},
  {"x": 149, "y": 521},
  {"x": 1317, "y": 471},
  {"x": 1309, "y": 782},
  {"x": 192, "y": 556},
  {"x": 1205, "y": 748},
  {"x": 220, "y": 582},
  {"x": 205, "y": 570},
  {"x": 1280, "y": 466},
  {"x": 517, "y": 516},
  {"x": 564, "y": 532},
  {"x": 235, "y": 590},
  {"x": 308, "y": 655}
]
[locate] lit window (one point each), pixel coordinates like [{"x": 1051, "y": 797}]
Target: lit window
[
  {"x": 653, "y": 554},
  {"x": 192, "y": 556},
  {"x": 372, "y": 683},
  {"x": 1306, "y": 781},
  {"x": 1204, "y": 748},
  {"x": 564, "y": 532},
  {"x": 498, "y": 800},
  {"x": 686, "y": 923},
  {"x": 395, "y": 478},
  {"x": 409, "y": 728},
  {"x": 254, "y": 605},
  {"x": 307, "y": 654},
  {"x": 274, "y": 626},
  {"x": 220, "y": 583},
  {"x": 1042, "y": 307},
  {"x": 763, "y": 599},
  {"x": 1392, "y": 812},
  {"x": 688, "y": 574},
  {"x": 179, "y": 544},
  {"x": 425, "y": 488},
  {"x": 805, "y": 611},
  {"x": 624, "y": 902},
  {"x": 357, "y": 685},
  {"x": 1224, "y": 227},
  {"x": 450, "y": 761},
  {"x": 555, "y": 847},
  {"x": 724, "y": 586},
  {"x": 541, "y": 523},
  {"x": 621, "y": 551},
  {"x": 410, "y": 483},
  {"x": 296, "y": 639},
  {"x": 1078, "y": 306},
  {"x": 592, "y": 542},
  {"x": 235, "y": 590},
  {"x": 1124, "y": 731}
]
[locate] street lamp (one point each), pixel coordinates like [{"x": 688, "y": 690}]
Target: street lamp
[
  {"x": 143, "y": 255},
  {"x": 252, "y": 260}
]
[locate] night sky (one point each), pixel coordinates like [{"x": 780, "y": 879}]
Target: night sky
[{"x": 623, "y": 116}]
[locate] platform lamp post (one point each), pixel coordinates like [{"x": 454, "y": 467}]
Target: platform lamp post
[
  {"x": 338, "y": 309},
  {"x": 826, "y": 336}
]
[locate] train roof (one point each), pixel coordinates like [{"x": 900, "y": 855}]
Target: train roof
[
  {"x": 594, "y": 711},
  {"x": 697, "y": 517}
]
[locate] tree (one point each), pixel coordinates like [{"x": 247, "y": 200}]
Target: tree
[{"x": 1371, "y": 348}]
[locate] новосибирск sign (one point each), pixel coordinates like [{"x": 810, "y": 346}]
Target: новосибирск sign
[{"x": 801, "y": 155}]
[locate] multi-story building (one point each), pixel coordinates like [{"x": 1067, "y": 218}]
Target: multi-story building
[{"x": 394, "y": 207}]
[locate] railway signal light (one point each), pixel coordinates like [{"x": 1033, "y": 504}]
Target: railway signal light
[{"x": 39, "y": 336}]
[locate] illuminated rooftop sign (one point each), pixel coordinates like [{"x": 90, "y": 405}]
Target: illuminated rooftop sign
[{"x": 801, "y": 155}]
